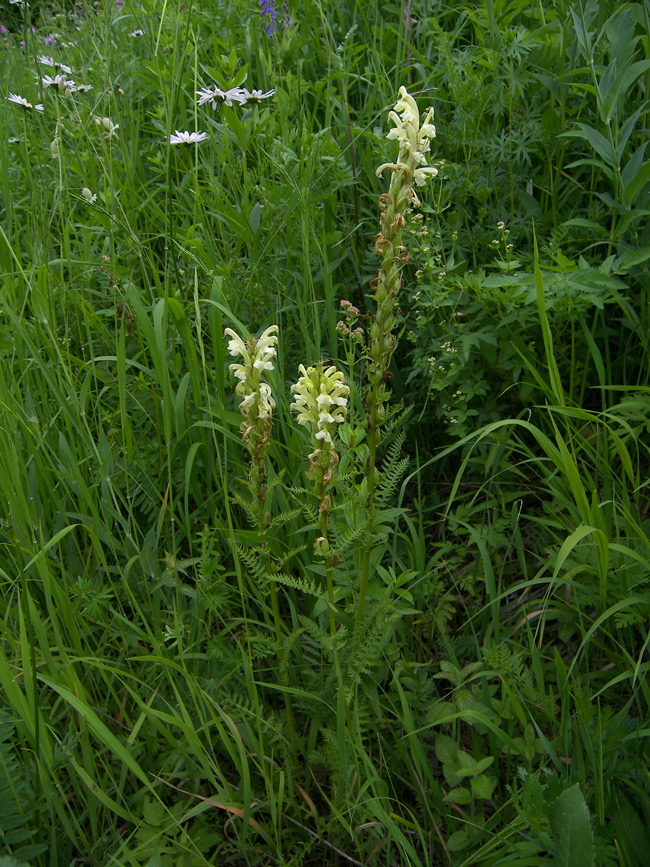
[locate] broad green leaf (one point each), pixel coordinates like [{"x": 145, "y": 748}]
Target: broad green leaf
[
  {"x": 446, "y": 748},
  {"x": 466, "y": 762},
  {"x": 458, "y": 841},
  {"x": 599, "y": 143},
  {"x": 637, "y": 184},
  {"x": 614, "y": 98},
  {"x": 484, "y": 764},
  {"x": 569, "y": 819},
  {"x": 482, "y": 787},
  {"x": 625, "y": 132},
  {"x": 582, "y": 35},
  {"x": 460, "y": 796},
  {"x": 632, "y": 835}
]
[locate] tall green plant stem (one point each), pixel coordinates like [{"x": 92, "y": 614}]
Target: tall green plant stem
[
  {"x": 323, "y": 521},
  {"x": 411, "y": 168},
  {"x": 257, "y": 407},
  {"x": 388, "y": 244},
  {"x": 258, "y": 479}
]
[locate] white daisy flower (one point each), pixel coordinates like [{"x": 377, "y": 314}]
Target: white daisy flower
[
  {"x": 45, "y": 60},
  {"x": 255, "y": 95},
  {"x": 135, "y": 34},
  {"x": 23, "y": 103},
  {"x": 84, "y": 88},
  {"x": 187, "y": 137},
  {"x": 59, "y": 81},
  {"x": 217, "y": 96}
]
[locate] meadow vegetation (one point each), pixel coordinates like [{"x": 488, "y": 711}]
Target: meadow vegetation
[{"x": 325, "y": 521}]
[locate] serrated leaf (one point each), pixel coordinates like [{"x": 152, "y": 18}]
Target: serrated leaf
[
  {"x": 458, "y": 841},
  {"x": 632, "y": 257},
  {"x": 460, "y": 796},
  {"x": 484, "y": 764},
  {"x": 482, "y": 787},
  {"x": 466, "y": 762},
  {"x": 450, "y": 772},
  {"x": 153, "y": 812},
  {"x": 441, "y": 710},
  {"x": 446, "y": 748}
]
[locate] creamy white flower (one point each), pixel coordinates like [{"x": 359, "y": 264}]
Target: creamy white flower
[
  {"x": 414, "y": 143},
  {"x": 23, "y": 103},
  {"x": 216, "y": 96},
  {"x": 248, "y": 400},
  {"x": 321, "y": 400},
  {"x": 135, "y": 34},
  {"x": 256, "y": 354},
  {"x": 88, "y": 195},
  {"x": 84, "y": 88},
  {"x": 420, "y": 176},
  {"x": 187, "y": 137},
  {"x": 266, "y": 404}
]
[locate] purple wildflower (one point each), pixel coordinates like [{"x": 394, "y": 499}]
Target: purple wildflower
[
  {"x": 286, "y": 18},
  {"x": 268, "y": 17},
  {"x": 3, "y": 29},
  {"x": 119, "y": 4}
]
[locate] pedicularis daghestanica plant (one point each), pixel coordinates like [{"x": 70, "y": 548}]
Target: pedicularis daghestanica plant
[
  {"x": 256, "y": 406},
  {"x": 408, "y": 171},
  {"x": 321, "y": 394}
]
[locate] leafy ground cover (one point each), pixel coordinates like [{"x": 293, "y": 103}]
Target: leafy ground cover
[{"x": 324, "y": 528}]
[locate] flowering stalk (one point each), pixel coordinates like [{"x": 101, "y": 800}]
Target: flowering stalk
[
  {"x": 321, "y": 400},
  {"x": 351, "y": 334},
  {"x": 256, "y": 406},
  {"x": 410, "y": 170},
  {"x": 268, "y": 17}
]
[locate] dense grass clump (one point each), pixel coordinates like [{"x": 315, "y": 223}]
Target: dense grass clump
[{"x": 324, "y": 528}]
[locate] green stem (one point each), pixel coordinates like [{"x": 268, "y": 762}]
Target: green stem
[
  {"x": 370, "y": 505},
  {"x": 329, "y": 579},
  {"x": 285, "y": 678},
  {"x": 323, "y": 518},
  {"x": 258, "y": 479}
]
